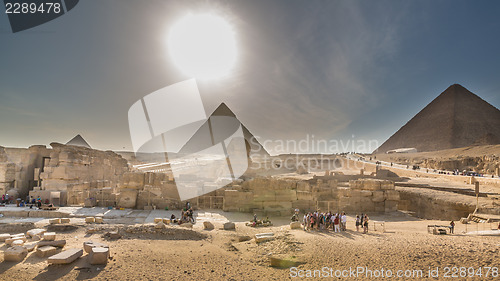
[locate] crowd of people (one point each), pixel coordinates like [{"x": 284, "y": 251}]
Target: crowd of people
[{"x": 336, "y": 222}]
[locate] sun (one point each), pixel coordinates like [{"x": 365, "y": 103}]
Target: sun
[{"x": 203, "y": 46}]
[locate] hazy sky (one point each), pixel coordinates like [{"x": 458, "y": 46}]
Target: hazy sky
[{"x": 332, "y": 69}]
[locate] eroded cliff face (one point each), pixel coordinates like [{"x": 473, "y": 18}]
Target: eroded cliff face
[{"x": 482, "y": 164}]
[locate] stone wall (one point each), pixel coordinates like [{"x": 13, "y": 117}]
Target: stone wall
[
  {"x": 82, "y": 173},
  {"x": 18, "y": 168},
  {"x": 279, "y": 196},
  {"x": 139, "y": 190},
  {"x": 7, "y": 172}
]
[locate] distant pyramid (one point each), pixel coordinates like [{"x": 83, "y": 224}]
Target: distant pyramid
[
  {"x": 78, "y": 141},
  {"x": 202, "y": 137},
  {"x": 456, "y": 118}
]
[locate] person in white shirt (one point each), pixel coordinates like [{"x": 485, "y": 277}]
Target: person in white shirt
[{"x": 343, "y": 219}]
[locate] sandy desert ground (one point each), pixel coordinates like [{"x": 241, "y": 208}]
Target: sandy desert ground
[{"x": 176, "y": 253}]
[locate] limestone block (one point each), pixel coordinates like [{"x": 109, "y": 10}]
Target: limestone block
[
  {"x": 243, "y": 238},
  {"x": 55, "y": 221},
  {"x": 304, "y": 195},
  {"x": 371, "y": 185},
  {"x": 65, "y": 220},
  {"x": 127, "y": 198},
  {"x": 355, "y": 193},
  {"x": 387, "y": 185},
  {"x": 46, "y": 251},
  {"x": 166, "y": 221},
  {"x": 277, "y": 205},
  {"x": 160, "y": 225},
  {"x": 36, "y": 231},
  {"x": 343, "y": 205},
  {"x": 323, "y": 194},
  {"x": 30, "y": 246},
  {"x": 285, "y": 195},
  {"x": 65, "y": 257},
  {"x": 264, "y": 195},
  {"x": 261, "y": 237},
  {"x": 133, "y": 180},
  {"x": 344, "y": 192},
  {"x": 355, "y": 184},
  {"x": 379, "y": 207},
  {"x": 18, "y": 243},
  {"x": 208, "y": 225},
  {"x": 89, "y": 219},
  {"x": 157, "y": 220},
  {"x": 15, "y": 254},
  {"x": 57, "y": 243},
  {"x": 49, "y": 236},
  {"x": 378, "y": 196},
  {"x": 36, "y": 237},
  {"x": 392, "y": 195},
  {"x": 303, "y": 205},
  {"x": 4, "y": 236},
  {"x": 114, "y": 235},
  {"x": 295, "y": 225},
  {"x": 99, "y": 255},
  {"x": 229, "y": 226},
  {"x": 88, "y": 245},
  {"x": 391, "y": 206},
  {"x": 333, "y": 183},
  {"x": 303, "y": 186},
  {"x": 366, "y": 193},
  {"x": 14, "y": 238},
  {"x": 98, "y": 220}
]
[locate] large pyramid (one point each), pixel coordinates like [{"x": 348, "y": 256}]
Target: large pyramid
[
  {"x": 203, "y": 138},
  {"x": 456, "y": 118}
]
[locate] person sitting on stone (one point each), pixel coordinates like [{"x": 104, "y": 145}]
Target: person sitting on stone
[{"x": 190, "y": 215}]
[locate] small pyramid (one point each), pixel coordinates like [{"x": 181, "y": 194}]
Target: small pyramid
[
  {"x": 78, "y": 141},
  {"x": 456, "y": 118}
]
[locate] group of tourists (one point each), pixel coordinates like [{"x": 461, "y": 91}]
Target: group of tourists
[
  {"x": 6, "y": 199},
  {"x": 336, "y": 222}
]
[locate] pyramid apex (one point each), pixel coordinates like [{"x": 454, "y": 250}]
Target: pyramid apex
[
  {"x": 223, "y": 110},
  {"x": 78, "y": 140}
]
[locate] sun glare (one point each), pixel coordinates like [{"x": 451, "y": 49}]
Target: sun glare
[{"x": 203, "y": 46}]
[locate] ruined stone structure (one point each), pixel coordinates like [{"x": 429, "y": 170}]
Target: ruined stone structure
[
  {"x": 78, "y": 175},
  {"x": 74, "y": 173},
  {"x": 321, "y": 193},
  {"x": 18, "y": 167},
  {"x": 7, "y": 172},
  {"x": 147, "y": 190}
]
